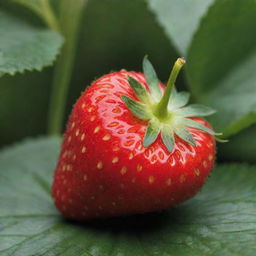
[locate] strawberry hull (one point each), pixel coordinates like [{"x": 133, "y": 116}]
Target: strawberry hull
[{"x": 104, "y": 170}]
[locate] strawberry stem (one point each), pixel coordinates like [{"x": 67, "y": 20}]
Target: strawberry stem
[
  {"x": 70, "y": 15},
  {"x": 161, "y": 109}
]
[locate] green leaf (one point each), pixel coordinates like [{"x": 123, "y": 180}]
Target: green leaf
[
  {"x": 136, "y": 108},
  {"x": 25, "y": 47},
  {"x": 195, "y": 110},
  {"x": 185, "y": 135},
  {"x": 168, "y": 137},
  {"x": 220, "y": 219},
  {"x": 152, "y": 79},
  {"x": 151, "y": 134},
  {"x": 194, "y": 124},
  {"x": 224, "y": 78},
  {"x": 140, "y": 92},
  {"x": 178, "y": 99},
  {"x": 180, "y": 19}
]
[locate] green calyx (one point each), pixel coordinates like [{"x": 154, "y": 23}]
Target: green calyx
[{"x": 168, "y": 113}]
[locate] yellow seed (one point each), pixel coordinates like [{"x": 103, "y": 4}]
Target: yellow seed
[
  {"x": 99, "y": 165},
  {"x": 151, "y": 179},
  {"x": 83, "y": 149},
  {"x": 133, "y": 180},
  {"x": 115, "y": 160},
  {"x": 74, "y": 157},
  {"x": 169, "y": 181},
  {"x": 69, "y": 138},
  {"x": 113, "y": 124},
  {"x": 197, "y": 172},
  {"x": 90, "y": 109},
  {"x": 82, "y": 137},
  {"x": 123, "y": 170},
  {"x": 182, "y": 178},
  {"x": 131, "y": 156},
  {"x": 210, "y": 157},
  {"x": 204, "y": 163},
  {"x": 77, "y": 132},
  {"x": 69, "y": 167},
  {"x": 83, "y": 105},
  {"x": 106, "y": 137},
  {"x": 64, "y": 167},
  {"x": 73, "y": 125},
  {"x": 96, "y": 129},
  {"x": 93, "y": 118},
  {"x": 116, "y": 148},
  {"x": 139, "y": 167},
  {"x": 85, "y": 177}
]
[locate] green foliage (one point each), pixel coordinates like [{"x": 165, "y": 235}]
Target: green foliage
[
  {"x": 180, "y": 19},
  {"x": 224, "y": 77},
  {"x": 219, "y": 220},
  {"x": 25, "y": 47}
]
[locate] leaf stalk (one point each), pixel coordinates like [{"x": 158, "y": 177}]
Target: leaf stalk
[
  {"x": 70, "y": 15},
  {"x": 161, "y": 110}
]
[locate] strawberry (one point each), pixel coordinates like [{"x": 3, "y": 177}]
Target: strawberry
[{"x": 132, "y": 146}]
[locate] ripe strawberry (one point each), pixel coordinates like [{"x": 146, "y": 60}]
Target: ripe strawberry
[{"x": 132, "y": 146}]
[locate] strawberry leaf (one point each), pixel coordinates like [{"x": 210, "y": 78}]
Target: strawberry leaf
[
  {"x": 151, "y": 134},
  {"x": 178, "y": 100},
  {"x": 167, "y": 136},
  {"x": 221, "y": 218},
  {"x": 180, "y": 19},
  {"x": 136, "y": 108},
  {"x": 139, "y": 90},
  {"x": 25, "y": 47},
  {"x": 195, "y": 110},
  {"x": 185, "y": 135},
  {"x": 152, "y": 79},
  {"x": 196, "y": 125},
  {"x": 224, "y": 78}
]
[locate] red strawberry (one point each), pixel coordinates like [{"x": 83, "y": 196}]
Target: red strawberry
[{"x": 129, "y": 148}]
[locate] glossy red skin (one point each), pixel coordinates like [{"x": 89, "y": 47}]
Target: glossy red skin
[{"x": 90, "y": 183}]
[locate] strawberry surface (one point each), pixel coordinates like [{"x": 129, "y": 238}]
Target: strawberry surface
[{"x": 104, "y": 169}]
